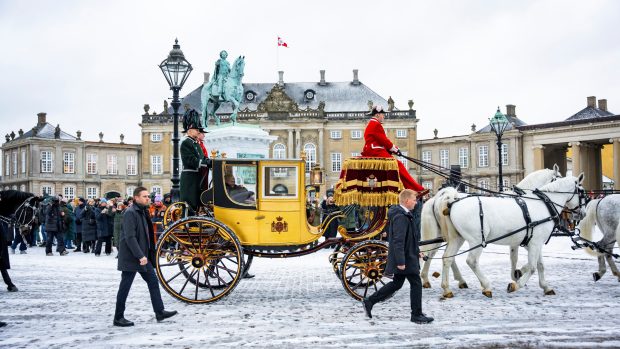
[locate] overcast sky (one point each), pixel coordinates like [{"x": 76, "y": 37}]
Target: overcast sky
[{"x": 92, "y": 65}]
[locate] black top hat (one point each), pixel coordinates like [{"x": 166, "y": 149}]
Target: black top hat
[
  {"x": 191, "y": 119},
  {"x": 377, "y": 109}
]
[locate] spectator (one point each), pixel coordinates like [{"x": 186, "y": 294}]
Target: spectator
[
  {"x": 78, "y": 223},
  {"x": 328, "y": 206},
  {"x": 69, "y": 219},
  {"x": 54, "y": 221},
  {"x": 118, "y": 225},
  {"x": 42, "y": 239},
  {"x": 105, "y": 226},
  {"x": 18, "y": 239},
  {"x": 89, "y": 227}
]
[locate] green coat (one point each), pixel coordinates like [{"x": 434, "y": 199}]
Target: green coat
[
  {"x": 193, "y": 159},
  {"x": 68, "y": 221}
]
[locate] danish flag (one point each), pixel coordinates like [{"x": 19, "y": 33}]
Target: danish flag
[{"x": 281, "y": 42}]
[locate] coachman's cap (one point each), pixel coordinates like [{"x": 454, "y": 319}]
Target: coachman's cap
[
  {"x": 377, "y": 109},
  {"x": 191, "y": 119}
]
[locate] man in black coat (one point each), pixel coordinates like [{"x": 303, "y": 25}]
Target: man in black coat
[
  {"x": 136, "y": 254},
  {"x": 55, "y": 228},
  {"x": 403, "y": 258}
]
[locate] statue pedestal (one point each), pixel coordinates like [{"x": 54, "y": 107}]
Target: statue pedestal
[{"x": 239, "y": 141}]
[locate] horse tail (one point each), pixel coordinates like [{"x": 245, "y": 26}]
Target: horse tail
[
  {"x": 586, "y": 225},
  {"x": 429, "y": 225}
]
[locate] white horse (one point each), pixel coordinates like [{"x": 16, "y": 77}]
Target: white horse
[
  {"x": 433, "y": 223},
  {"x": 502, "y": 216},
  {"x": 605, "y": 214}
]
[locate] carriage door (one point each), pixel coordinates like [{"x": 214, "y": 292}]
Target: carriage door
[{"x": 279, "y": 208}]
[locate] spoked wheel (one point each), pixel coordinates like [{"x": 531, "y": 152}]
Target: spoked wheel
[
  {"x": 335, "y": 258},
  {"x": 362, "y": 268},
  {"x": 247, "y": 263},
  {"x": 176, "y": 211},
  {"x": 200, "y": 260}
]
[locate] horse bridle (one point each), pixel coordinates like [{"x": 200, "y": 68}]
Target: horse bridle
[{"x": 19, "y": 219}]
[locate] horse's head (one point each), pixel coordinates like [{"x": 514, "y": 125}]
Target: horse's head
[
  {"x": 571, "y": 190},
  {"x": 539, "y": 178},
  {"x": 238, "y": 67}
]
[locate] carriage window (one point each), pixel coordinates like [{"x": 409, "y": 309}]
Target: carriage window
[
  {"x": 240, "y": 183},
  {"x": 280, "y": 182}
]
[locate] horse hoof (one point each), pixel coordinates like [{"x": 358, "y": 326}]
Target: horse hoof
[
  {"x": 550, "y": 293},
  {"x": 426, "y": 284},
  {"x": 446, "y": 212},
  {"x": 511, "y": 287},
  {"x": 463, "y": 285},
  {"x": 448, "y": 295},
  {"x": 436, "y": 275},
  {"x": 518, "y": 274},
  {"x": 488, "y": 293},
  {"x": 616, "y": 274},
  {"x": 596, "y": 276}
]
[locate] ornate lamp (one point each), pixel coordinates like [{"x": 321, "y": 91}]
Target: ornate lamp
[
  {"x": 499, "y": 123},
  {"x": 176, "y": 69},
  {"x": 316, "y": 180}
]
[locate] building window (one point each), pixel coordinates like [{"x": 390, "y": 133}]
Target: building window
[
  {"x": 506, "y": 183},
  {"x": 129, "y": 191},
  {"x": 427, "y": 185},
  {"x": 22, "y": 187},
  {"x": 14, "y": 162},
  {"x": 47, "y": 190},
  {"x": 91, "y": 163},
  {"x": 403, "y": 160},
  {"x": 156, "y": 189},
  {"x": 401, "y": 133},
  {"x": 91, "y": 192},
  {"x": 355, "y": 154},
  {"x": 426, "y": 157},
  {"x": 23, "y": 168},
  {"x": 444, "y": 158},
  {"x": 46, "y": 162},
  {"x": 336, "y": 162},
  {"x": 464, "y": 157},
  {"x": 156, "y": 165},
  {"x": 279, "y": 151},
  {"x": 310, "y": 150},
  {"x": 112, "y": 164},
  {"x": 483, "y": 184},
  {"x": 356, "y": 134},
  {"x": 131, "y": 165},
  {"x": 504, "y": 154},
  {"x": 155, "y": 137},
  {"x": 69, "y": 162},
  {"x": 483, "y": 156},
  {"x": 335, "y": 134},
  {"x": 69, "y": 193},
  {"x": 7, "y": 164}
]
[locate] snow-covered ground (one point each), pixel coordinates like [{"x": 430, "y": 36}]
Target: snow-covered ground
[{"x": 68, "y": 302}]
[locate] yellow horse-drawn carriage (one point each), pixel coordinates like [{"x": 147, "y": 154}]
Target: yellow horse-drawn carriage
[{"x": 203, "y": 257}]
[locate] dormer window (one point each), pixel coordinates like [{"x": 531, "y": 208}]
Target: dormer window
[
  {"x": 250, "y": 96},
  {"x": 309, "y": 95}
]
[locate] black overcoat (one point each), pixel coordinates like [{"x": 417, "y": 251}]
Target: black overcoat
[
  {"x": 404, "y": 240},
  {"x": 89, "y": 224},
  {"x": 193, "y": 160},
  {"x": 136, "y": 240}
]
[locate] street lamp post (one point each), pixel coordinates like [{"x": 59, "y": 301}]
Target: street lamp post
[
  {"x": 499, "y": 123},
  {"x": 176, "y": 69}
]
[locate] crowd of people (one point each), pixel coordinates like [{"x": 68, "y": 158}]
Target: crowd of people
[{"x": 82, "y": 225}]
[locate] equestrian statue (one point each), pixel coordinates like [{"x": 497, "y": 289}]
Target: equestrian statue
[{"x": 224, "y": 87}]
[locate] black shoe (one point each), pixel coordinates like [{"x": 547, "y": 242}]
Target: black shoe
[
  {"x": 367, "y": 307},
  {"x": 64, "y": 253},
  {"x": 2, "y": 324},
  {"x": 86, "y": 250},
  {"x": 248, "y": 276},
  {"x": 77, "y": 250},
  {"x": 421, "y": 319},
  {"x": 49, "y": 254},
  {"x": 164, "y": 315},
  {"x": 12, "y": 288},
  {"x": 97, "y": 254},
  {"x": 122, "y": 322}
]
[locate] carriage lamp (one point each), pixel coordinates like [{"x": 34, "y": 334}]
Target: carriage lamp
[
  {"x": 176, "y": 69},
  {"x": 498, "y": 124},
  {"x": 316, "y": 180}
]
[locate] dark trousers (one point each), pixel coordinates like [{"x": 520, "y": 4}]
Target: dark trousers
[
  {"x": 123, "y": 290},
  {"x": 6, "y": 277},
  {"x": 19, "y": 240},
  {"x": 78, "y": 240},
  {"x": 395, "y": 285},
  {"x": 59, "y": 240},
  {"x": 108, "y": 245}
]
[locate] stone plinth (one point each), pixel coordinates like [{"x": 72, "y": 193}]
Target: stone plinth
[{"x": 239, "y": 141}]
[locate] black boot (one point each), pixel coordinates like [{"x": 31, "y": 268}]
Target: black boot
[
  {"x": 367, "y": 307},
  {"x": 122, "y": 322},
  {"x": 12, "y": 288},
  {"x": 421, "y": 319},
  {"x": 164, "y": 315}
]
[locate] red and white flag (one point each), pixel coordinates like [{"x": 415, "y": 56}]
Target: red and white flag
[{"x": 281, "y": 42}]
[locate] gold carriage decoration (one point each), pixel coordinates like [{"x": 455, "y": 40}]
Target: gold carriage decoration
[{"x": 368, "y": 182}]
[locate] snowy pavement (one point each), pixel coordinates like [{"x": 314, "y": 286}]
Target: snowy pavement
[{"x": 68, "y": 302}]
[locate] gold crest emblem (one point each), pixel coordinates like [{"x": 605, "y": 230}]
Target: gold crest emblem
[{"x": 279, "y": 225}]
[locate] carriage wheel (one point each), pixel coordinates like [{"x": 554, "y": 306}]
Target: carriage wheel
[
  {"x": 247, "y": 263},
  {"x": 175, "y": 212},
  {"x": 362, "y": 268},
  {"x": 200, "y": 260},
  {"x": 335, "y": 258}
]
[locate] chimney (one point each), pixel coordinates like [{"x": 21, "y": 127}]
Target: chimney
[
  {"x": 322, "y": 82},
  {"x": 356, "y": 80},
  {"x": 281, "y": 78},
  {"x": 602, "y": 104},
  {"x": 41, "y": 119},
  {"x": 510, "y": 110},
  {"x": 592, "y": 101},
  {"x": 207, "y": 76}
]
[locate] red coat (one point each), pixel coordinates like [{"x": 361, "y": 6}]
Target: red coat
[{"x": 378, "y": 145}]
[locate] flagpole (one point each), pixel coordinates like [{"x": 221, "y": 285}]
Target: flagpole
[{"x": 278, "y": 56}]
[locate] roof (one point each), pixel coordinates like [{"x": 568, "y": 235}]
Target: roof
[
  {"x": 590, "y": 113},
  {"x": 338, "y": 96},
  {"x": 47, "y": 130},
  {"x": 514, "y": 122}
]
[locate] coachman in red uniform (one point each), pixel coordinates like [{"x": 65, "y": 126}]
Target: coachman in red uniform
[{"x": 379, "y": 146}]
